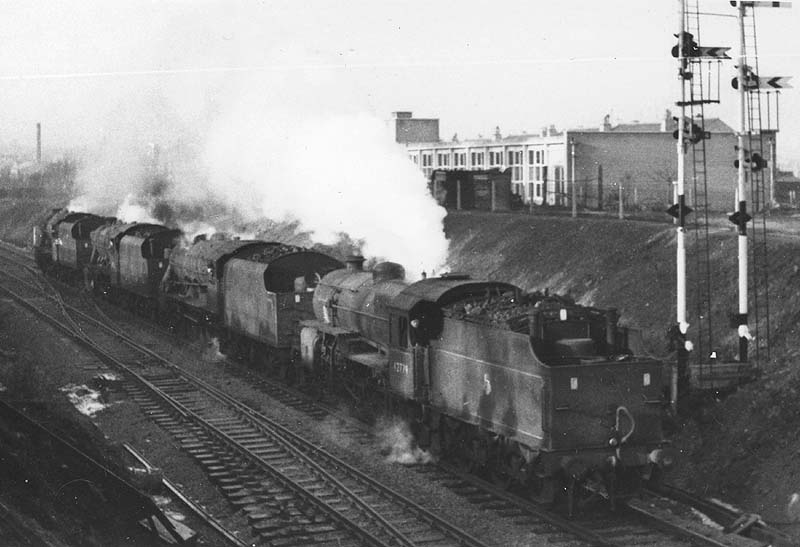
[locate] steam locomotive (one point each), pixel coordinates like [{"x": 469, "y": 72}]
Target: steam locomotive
[{"x": 540, "y": 393}]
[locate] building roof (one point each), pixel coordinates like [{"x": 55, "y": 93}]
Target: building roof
[
  {"x": 786, "y": 176},
  {"x": 712, "y": 125},
  {"x": 510, "y": 139}
]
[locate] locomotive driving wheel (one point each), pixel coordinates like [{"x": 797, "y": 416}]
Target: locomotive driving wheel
[{"x": 451, "y": 436}]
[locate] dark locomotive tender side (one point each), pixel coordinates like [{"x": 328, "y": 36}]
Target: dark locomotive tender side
[
  {"x": 251, "y": 294},
  {"x": 63, "y": 242},
  {"x": 129, "y": 261},
  {"x": 540, "y": 392}
]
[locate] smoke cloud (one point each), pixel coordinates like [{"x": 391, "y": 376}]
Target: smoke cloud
[{"x": 332, "y": 174}]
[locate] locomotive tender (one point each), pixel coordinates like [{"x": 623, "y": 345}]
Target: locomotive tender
[
  {"x": 128, "y": 262},
  {"x": 540, "y": 392},
  {"x": 62, "y": 244},
  {"x": 251, "y": 294}
]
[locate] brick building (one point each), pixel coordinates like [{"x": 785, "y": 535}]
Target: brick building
[
  {"x": 640, "y": 157},
  {"x": 410, "y": 129},
  {"x": 787, "y": 189}
]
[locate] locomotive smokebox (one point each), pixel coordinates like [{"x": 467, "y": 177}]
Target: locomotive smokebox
[
  {"x": 386, "y": 271},
  {"x": 355, "y": 263}
]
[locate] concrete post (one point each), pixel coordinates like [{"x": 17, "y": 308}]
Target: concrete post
[
  {"x": 773, "y": 169},
  {"x": 572, "y": 177},
  {"x": 599, "y": 187}
]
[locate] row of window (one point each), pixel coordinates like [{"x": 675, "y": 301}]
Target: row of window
[
  {"x": 535, "y": 189},
  {"x": 513, "y": 159}
]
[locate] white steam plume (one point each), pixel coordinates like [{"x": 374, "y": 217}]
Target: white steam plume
[
  {"x": 287, "y": 146},
  {"x": 129, "y": 211},
  {"x": 334, "y": 174},
  {"x": 397, "y": 442}
]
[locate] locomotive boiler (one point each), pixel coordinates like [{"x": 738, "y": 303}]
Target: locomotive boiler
[{"x": 533, "y": 390}]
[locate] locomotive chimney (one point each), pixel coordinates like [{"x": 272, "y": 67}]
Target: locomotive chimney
[
  {"x": 388, "y": 270},
  {"x": 355, "y": 263}
]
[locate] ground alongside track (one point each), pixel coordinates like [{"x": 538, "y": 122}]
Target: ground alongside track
[{"x": 744, "y": 448}]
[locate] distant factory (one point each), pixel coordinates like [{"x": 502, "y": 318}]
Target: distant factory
[{"x": 635, "y": 161}]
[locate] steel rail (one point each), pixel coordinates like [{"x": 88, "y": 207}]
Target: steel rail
[
  {"x": 725, "y": 516},
  {"x": 299, "y": 490},
  {"x": 196, "y": 509}
]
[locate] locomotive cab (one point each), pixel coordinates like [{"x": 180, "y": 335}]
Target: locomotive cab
[{"x": 417, "y": 327}]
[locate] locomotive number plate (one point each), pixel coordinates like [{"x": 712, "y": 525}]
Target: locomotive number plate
[{"x": 400, "y": 368}]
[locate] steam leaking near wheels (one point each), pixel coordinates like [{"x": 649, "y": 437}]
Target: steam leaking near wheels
[
  {"x": 793, "y": 507},
  {"x": 397, "y": 443}
]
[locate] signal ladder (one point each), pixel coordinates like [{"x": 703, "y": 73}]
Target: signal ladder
[
  {"x": 759, "y": 193},
  {"x": 703, "y": 70}
]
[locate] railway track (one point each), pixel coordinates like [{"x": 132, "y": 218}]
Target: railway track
[
  {"x": 647, "y": 521},
  {"x": 77, "y": 468},
  {"x": 252, "y": 466},
  {"x": 291, "y": 490},
  {"x": 731, "y": 520}
]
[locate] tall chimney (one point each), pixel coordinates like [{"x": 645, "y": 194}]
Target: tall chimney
[{"x": 38, "y": 143}]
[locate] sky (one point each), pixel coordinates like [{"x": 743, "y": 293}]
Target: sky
[
  {"x": 216, "y": 83},
  {"x": 475, "y": 65}
]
